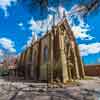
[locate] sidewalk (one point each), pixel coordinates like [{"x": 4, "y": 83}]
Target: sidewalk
[{"x": 87, "y": 90}]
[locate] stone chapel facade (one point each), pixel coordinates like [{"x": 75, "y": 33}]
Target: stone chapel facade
[{"x": 54, "y": 56}]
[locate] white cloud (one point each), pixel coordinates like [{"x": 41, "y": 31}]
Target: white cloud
[
  {"x": 35, "y": 25},
  {"x": 1, "y": 53},
  {"x": 41, "y": 26},
  {"x": 30, "y": 40},
  {"x": 7, "y": 44},
  {"x": 87, "y": 49},
  {"x": 61, "y": 11},
  {"x": 80, "y": 31},
  {"x": 51, "y": 9},
  {"x": 4, "y": 4},
  {"x": 78, "y": 9},
  {"x": 20, "y": 24},
  {"x": 98, "y": 60}
]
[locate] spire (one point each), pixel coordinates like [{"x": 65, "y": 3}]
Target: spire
[
  {"x": 47, "y": 29},
  {"x": 64, "y": 15},
  {"x": 54, "y": 20},
  {"x": 34, "y": 38}
]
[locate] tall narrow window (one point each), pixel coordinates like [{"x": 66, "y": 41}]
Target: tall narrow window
[
  {"x": 45, "y": 54},
  {"x": 30, "y": 55},
  {"x": 35, "y": 58}
]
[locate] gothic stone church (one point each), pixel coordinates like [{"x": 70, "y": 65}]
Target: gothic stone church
[{"x": 53, "y": 56}]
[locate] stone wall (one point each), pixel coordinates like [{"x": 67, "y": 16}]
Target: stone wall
[{"x": 92, "y": 70}]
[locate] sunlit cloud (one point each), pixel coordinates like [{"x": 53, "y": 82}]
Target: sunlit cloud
[
  {"x": 21, "y": 25},
  {"x": 6, "y": 3},
  {"x": 31, "y": 39},
  {"x": 80, "y": 31},
  {"x": 87, "y": 49},
  {"x": 1, "y": 53},
  {"x": 7, "y": 44}
]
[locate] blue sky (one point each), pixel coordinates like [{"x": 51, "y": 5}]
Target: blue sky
[{"x": 18, "y": 23}]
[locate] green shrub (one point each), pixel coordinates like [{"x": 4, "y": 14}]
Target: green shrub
[{"x": 3, "y": 72}]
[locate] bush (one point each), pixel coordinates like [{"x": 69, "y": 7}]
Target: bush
[{"x": 4, "y": 72}]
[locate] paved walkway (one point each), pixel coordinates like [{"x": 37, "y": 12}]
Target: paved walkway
[{"x": 86, "y": 90}]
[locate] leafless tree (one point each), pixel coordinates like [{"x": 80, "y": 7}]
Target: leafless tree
[{"x": 85, "y": 6}]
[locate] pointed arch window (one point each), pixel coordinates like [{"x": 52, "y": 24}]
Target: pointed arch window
[
  {"x": 66, "y": 40},
  {"x": 35, "y": 58},
  {"x": 45, "y": 54},
  {"x": 30, "y": 55}
]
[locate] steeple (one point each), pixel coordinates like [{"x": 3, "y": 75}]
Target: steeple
[
  {"x": 54, "y": 20},
  {"x": 64, "y": 15},
  {"x": 34, "y": 37}
]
